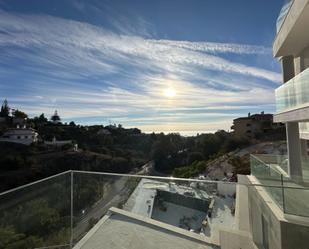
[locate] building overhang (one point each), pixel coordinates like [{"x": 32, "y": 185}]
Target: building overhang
[
  {"x": 293, "y": 36},
  {"x": 296, "y": 115}
]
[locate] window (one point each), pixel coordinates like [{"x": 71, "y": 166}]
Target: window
[
  {"x": 26, "y": 137},
  {"x": 18, "y": 137}
]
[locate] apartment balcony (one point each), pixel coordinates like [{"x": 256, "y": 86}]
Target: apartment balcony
[
  {"x": 292, "y": 36},
  {"x": 92, "y": 210},
  {"x": 283, "y": 13},
  {"x": 290, "y": 193},
  {"x": 292, "y": 99}
]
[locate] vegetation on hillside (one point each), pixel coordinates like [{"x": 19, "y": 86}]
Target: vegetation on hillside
[
  {"x": 44, "y": 219},
  {"x": 116, "y": 150}
]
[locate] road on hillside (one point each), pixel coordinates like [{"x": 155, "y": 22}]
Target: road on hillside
[
  {"x": 117, "y": 193},
  {"x": 117, "y": 190}
]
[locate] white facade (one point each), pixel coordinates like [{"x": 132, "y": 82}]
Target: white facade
[
  {"x": 25, "y": 136},
  {"x": 291, "y": 47},
  {"x": 278, "y": 213}
]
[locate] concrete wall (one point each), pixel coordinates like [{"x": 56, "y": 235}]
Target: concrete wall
[
  {"x": 283, "y": 232},
  {"x": 242, "y": 204},
  {"x": 301, "y": 61},
  {"x": 257, "y": 208},
  {"x": 230, "y": 239},
  {"x": 18, "y": 141},
  {"x": 294, "y": 236}
]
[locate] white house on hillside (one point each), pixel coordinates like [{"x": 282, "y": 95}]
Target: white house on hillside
[
  {"x": 104, "y": 132},
  {"x": 24, "y": 135}
]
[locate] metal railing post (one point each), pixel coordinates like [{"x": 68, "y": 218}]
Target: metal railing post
[
  {"x": 283, "y": 199},
  {"x": 71, "y": 239}
]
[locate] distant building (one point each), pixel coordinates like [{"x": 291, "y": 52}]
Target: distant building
[
  {"x": 24, "y": 135},
  {"x": 55, "y": 118},
  {"x": 57, "y": 143},
  {"x": 104, "y": 132},
  {"x": 134, "y": 132},
  {"x": 255, "y": 125},
  {"x": 18, "y": 121}
]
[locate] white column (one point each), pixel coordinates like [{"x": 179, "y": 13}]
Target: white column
[
  {"x": 288, "y": 69},
  {"x": 294, "y": 151}
]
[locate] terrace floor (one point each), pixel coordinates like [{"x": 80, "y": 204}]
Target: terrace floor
[{"x": 121, "y": 229}]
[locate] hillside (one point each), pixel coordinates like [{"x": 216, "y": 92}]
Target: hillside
[
  {"x": 22, "y": 164},
  {"x": 232, "y": 163}
]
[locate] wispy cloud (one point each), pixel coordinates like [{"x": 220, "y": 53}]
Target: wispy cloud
[
  {"x": 212, "y": 47},
  {"x": 87, "y": 71}
]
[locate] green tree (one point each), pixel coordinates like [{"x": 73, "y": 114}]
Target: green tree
[
  {"x": 19, "y": 114},
  {"x": 5, "y": 109},
  {"x": 9, "y": 239},
  {"x": 43, "y": 219},
  {"x": 195, "y": 156},
  {"x": 42, "y": 118},
  {"x": 72, "y": 123},
  {"x": 241, "y": 165}
]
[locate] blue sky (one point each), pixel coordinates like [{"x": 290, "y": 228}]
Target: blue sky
[{"x": 100, "y": 61}]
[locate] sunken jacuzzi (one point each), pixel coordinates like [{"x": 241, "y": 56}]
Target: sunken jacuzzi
[{"x": 181, "y": 210}]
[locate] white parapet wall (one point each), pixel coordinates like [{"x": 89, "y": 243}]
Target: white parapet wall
[{"x": 233, "y": 239}]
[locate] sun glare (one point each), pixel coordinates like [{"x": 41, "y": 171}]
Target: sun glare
[{"x": 169, "y": 92}]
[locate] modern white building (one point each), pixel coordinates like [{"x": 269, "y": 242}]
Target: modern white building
[
  {"x": 23, "y": 135},
  {"x": 291, "y": 47},
  {"x": 276, "y": 214}
]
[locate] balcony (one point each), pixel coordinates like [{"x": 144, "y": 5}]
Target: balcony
[
  {"x": 293, "y": 95},
  {"x": 283, "y": 13},
  {"x": 84, "y": 209},
  {"x": 289, "y": 192},
  {"x": 291, "y": 37},
  {"x": 89, "y": 210}
]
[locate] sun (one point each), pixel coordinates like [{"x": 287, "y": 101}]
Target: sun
[{"x": 169, "y": 92}]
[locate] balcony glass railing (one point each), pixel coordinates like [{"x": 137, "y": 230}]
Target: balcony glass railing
[
  {"x": 293, "y": 94},
  {"x": 37, "y": 215},
  {"x": 283, "y": 13},
  {"x": 268, "y": 166},
  {"x": 289, "y": 192},
  {"x": 59, "y": 212}
]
